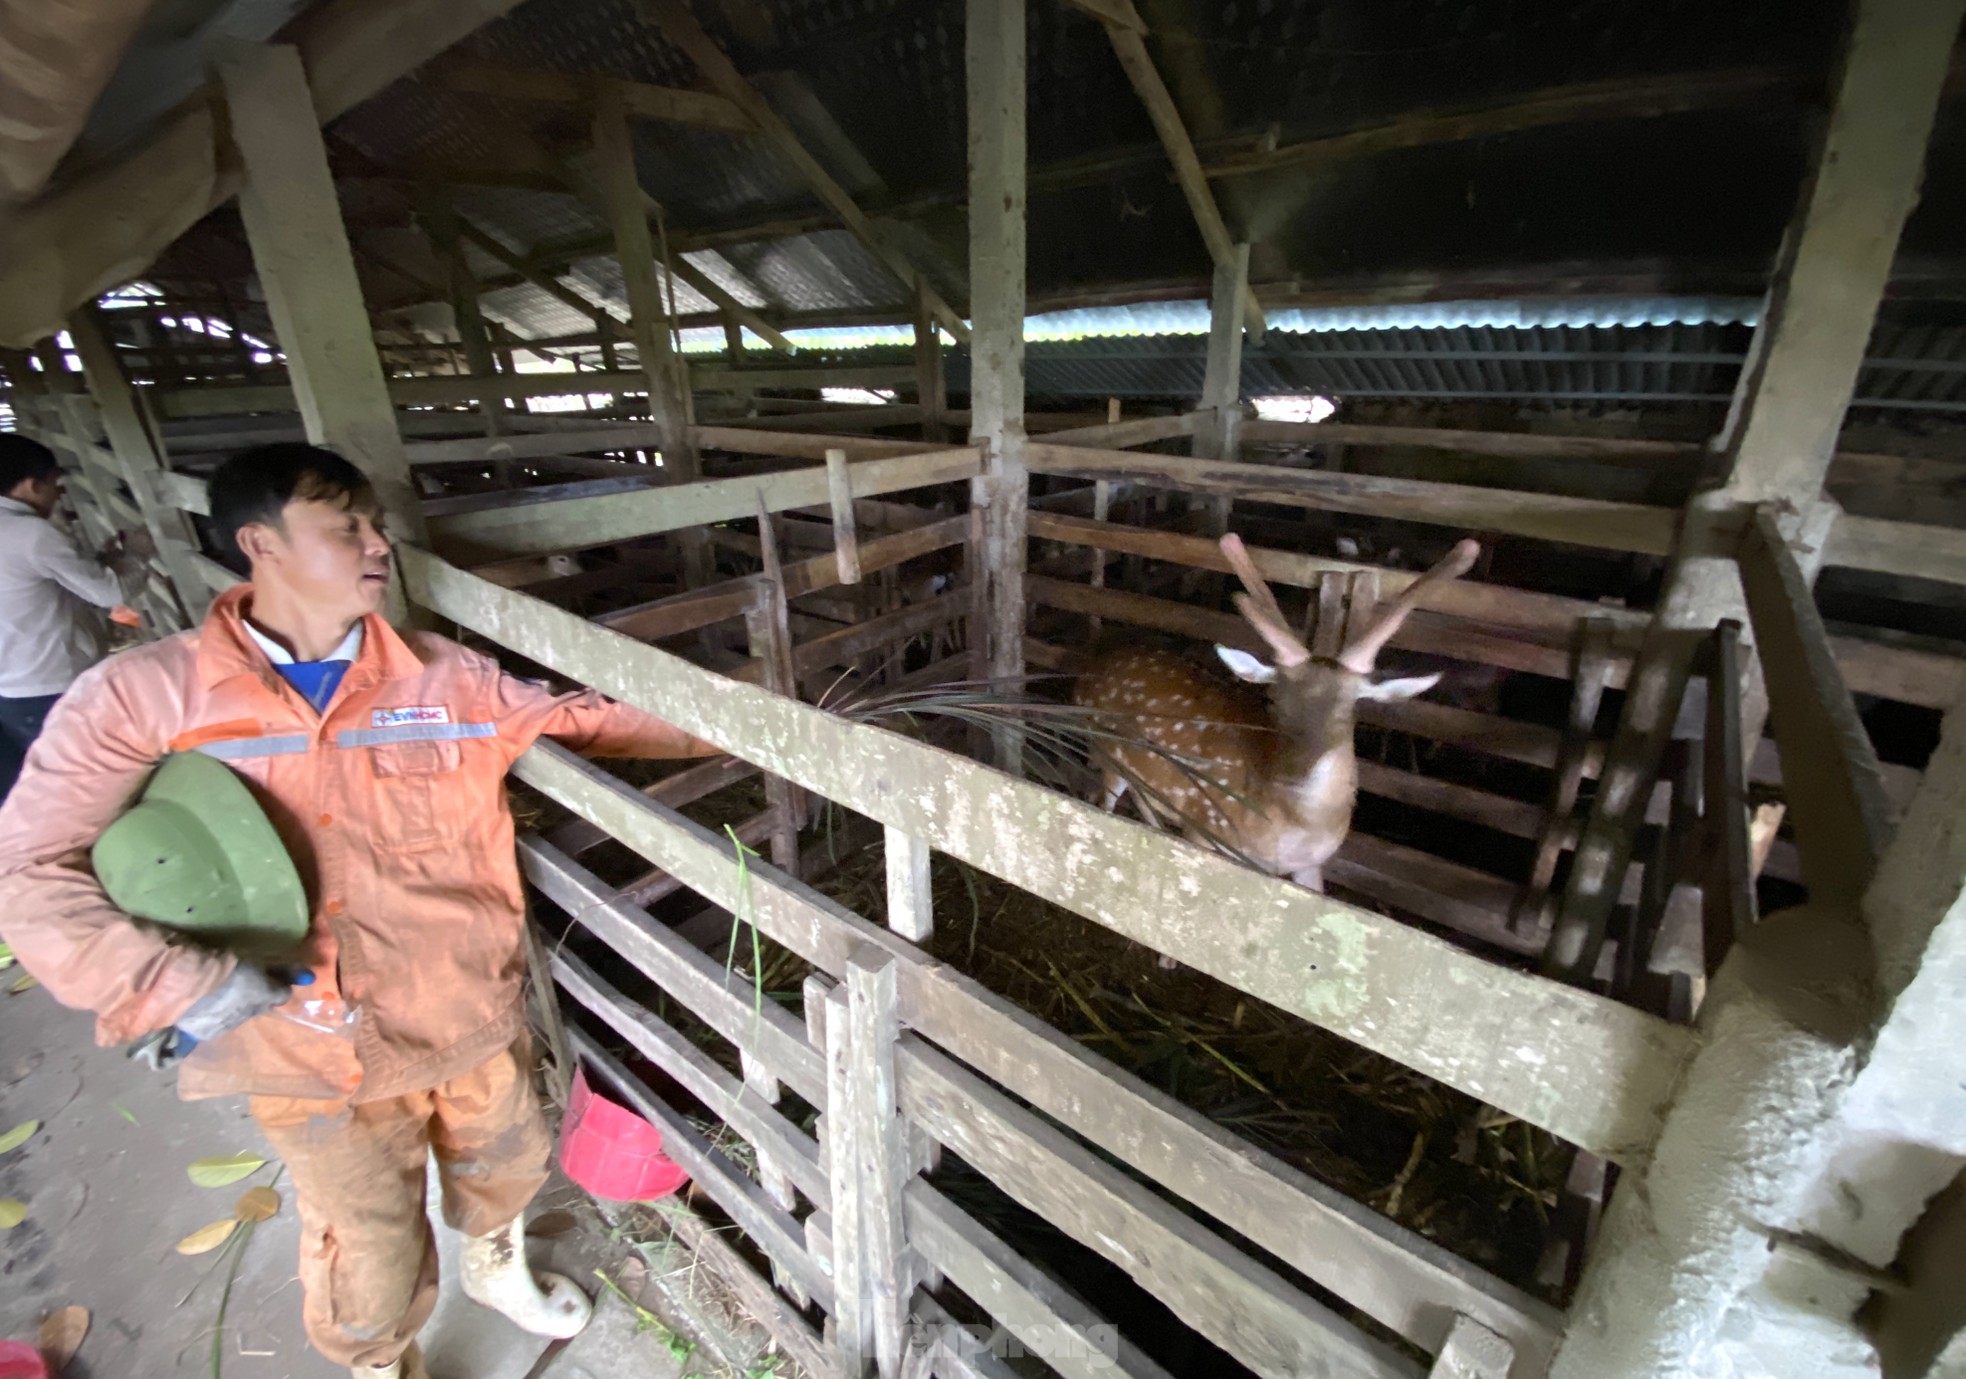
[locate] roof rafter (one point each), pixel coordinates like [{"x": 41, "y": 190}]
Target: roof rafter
[
  {"x": 677, "y": 24},
  {"x": 1125, "y": 31},
  {"x": 89, "y": 236},
  {"x": 703, "y": 109}
]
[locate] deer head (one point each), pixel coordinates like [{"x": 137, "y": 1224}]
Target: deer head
[{"x": 1313, "y": 699}]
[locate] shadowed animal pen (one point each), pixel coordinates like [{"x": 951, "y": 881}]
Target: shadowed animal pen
[{"x": 1615, "y": 1031}]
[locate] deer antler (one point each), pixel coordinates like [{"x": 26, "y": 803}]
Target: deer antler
[
  {"x": 1259, "y": 606},
  {"x": 1360, "y": 656}
]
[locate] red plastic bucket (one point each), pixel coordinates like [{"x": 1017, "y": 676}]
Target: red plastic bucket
[
  {"x": 19, "y": 1360},
  {"x": 610, "y": 1151}
]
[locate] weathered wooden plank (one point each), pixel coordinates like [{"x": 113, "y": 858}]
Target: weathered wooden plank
[
  {"x": 1728, "y": 874},
  {"x": 1405, "y": 994},
  {"x": 948, "y": 1350},
  {"x": 1124, "y": 435},
  {"x": 910, "y": 901},
  {"x": 1836, "y": 799},
  {"x": 1506, "y": 444},
  {"x": 700, "y": 607},
  {"x": 300, "y": 251},
  {"x": 846, "y": 536},
  {"x": 749, "y": 440},
  {"x": 872, "y": 1121},
  {"x": 723, "y": 1001},
  {"x": 1898, "y": 548},
  {"x": 579, "y": 523},
  {"x": 1395, "y": 1275},
  {"x": 772, "y": 1230},
  {"x": 1238, "y": 1304},
  {"x": 674, "y": 104},
  {"x": 476, "y": 449},
  {"x": 140, "y": 456},
  {"x": 853, "y": 1293},
  {"x": 1052, "y": 1323},
  {"x": 995, "y": 80},
  {"x": 1546, "y": 517},
  {"x": 730, "y": 1098},
  {"x": 1473, "y": 1352},
  {"x": 1469, "y": 902}
]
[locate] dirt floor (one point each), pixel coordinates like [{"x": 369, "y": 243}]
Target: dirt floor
[{"x": 106, "y": 1197}]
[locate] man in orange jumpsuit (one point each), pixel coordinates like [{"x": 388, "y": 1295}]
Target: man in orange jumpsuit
[{"x": 380, "y": 758}]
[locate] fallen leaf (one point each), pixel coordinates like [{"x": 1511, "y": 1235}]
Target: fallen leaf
[
  {"x": 223, "y": 1170},
  {"x": 208, "y": 1238},
  {"x": 27, "y": 982},
  {"x": 61, "y": 1335},
  {"x": 12, "y": 1213},
  {"x": 6, "y": 957},
  {"x": 126, "y": 1115},
  {"x": 19, "y": 1135},
  {"x": 551, "y": 1224},
  {"x": 258, "y": 1204}
]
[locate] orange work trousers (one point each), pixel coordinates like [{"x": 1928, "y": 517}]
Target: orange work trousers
[{"x": 368, "y": 1260}]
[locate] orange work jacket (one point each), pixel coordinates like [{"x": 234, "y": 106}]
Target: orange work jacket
[{"x": 392, "y": 804}]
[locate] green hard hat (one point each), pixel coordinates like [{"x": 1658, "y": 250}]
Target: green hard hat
[{"x": 196, "y": 853}]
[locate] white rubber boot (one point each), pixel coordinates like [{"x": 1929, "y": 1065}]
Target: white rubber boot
[{"x": 496, "y": 1275}]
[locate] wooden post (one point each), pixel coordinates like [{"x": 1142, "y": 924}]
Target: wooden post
[
  {"x": 931, "y": 379},
  {"x": 910, "y": 905},
  {"x": 1218, "y": 437},
  {"x": 300, "y": 249},
  {"x": 1728, "y": 880},
  {"x": 877, "y": 1152},
  {"x": 1788, "y": 408},
  {"x": 995, "y": 66},
  {"x": 141, "y": 457},
  {"x": 614, "y": 152},
  {"x": 853, "y": 1306},
  {"x": 846, "y": 535},
  {"x": 767, "y": 626}
]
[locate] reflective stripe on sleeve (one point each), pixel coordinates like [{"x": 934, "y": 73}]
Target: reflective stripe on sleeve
[
  {"x": 240, "y": 748},
  {"x": 414, "y": 732}
]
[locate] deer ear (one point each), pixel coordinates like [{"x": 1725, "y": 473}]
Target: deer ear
[
  {"x": 1246, "y": 667},
  {"x": 1408, "y": 688}
]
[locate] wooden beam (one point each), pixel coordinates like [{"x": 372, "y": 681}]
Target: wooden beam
[
  {"x": 1836, "y": 800},
  {"x": 1546, "y": 517},
  {"x": 1131, "y": 49},
  {"x": 1619, "y": 99},
  {"x": 681, "y": 28},
  {"x": 648, "y": 315},
  {"x": 578, "y": 523},
  {"x": 674, "y": 105},
  {"x": 300, "y": 249},
  {"x": 1124, "y": 435},
  {"x": 1220, "y": 436},
  {"x": 995, "y": 65},
  {"x": 141, "y": 457},
  {"x": 1898, "y": 548},
  {"x": 75, "y": 244}
]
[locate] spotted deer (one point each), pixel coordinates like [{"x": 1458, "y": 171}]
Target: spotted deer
[{"x": 1269, "y": 778}]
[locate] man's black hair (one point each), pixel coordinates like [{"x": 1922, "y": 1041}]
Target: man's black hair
[
  {"x": 256, "y": 485},
  {"x": 21, "y": 459}
]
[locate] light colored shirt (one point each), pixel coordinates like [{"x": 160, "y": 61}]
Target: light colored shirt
[
  {"x": 50, "y": 593},
  {"x": 314, "y": 681},
  {"x": 349, "y": 650}
]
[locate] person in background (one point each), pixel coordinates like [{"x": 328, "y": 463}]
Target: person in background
[
  {"x": 51, "y": 629},
  {"x": 380, "y": 758}
]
